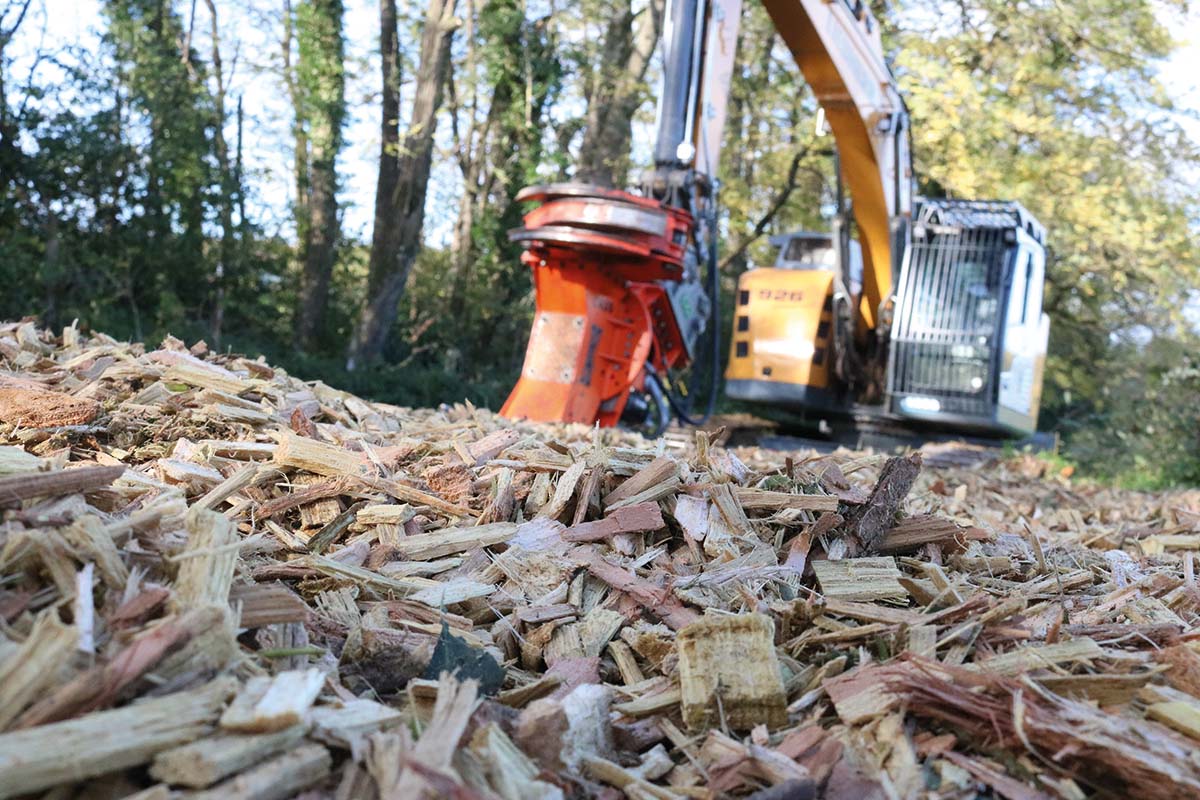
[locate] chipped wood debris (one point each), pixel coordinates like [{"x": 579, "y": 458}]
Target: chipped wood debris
[{"x": 219, "y": 581}]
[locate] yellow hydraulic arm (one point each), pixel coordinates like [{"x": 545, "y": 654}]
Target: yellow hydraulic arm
[{"x": 837, "y": 46}]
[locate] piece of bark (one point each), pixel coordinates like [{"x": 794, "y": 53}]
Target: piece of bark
[
  {"x": 107, "y": 741},
  {"x": 302, "y": 425},
  {"x": 865, "y": 693},
  {"x": 729, "y": 673},
  {"x": 1122, "y": 754},
  {"x": 869, "y": 522},
  {"x": 640, "y": 735},
  {"x": 733, "y": 765},
  {"x": 573, "y": 672},
  {"x": 278, "y": 779},
  {"x": 814, "y": 749},
  {"x": 15, "y": 488},
  {"x": 562, "y": 734},
  {"x": 201, "y": 763},
  {"x": 630, "y": 519},
  {"x": 37, "y": 408},
  {"x": 273, "y": 703},
  {"x": 1183, "y": 667},
  {"x": 137, "y": 609}
]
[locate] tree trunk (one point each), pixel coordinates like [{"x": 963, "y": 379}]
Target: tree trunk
[
  {"x": 394, "y": 249},
  {"x": 229, "y": 188},
  {"x": 478, "y": 163},
  {"x": 617, "y": 93},
  {"x": 299, "y": 135},
  {"x": 321, "y": 81},
  {"x": 10, "y": 154}
]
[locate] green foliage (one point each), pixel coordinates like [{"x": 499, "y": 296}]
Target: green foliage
[
  {"x": 1142, "y": 429},
  {"x": 1058, "y": 105},
  {"x": 106, "y": 208}
]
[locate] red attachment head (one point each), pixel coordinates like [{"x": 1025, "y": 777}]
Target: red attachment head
[{"x": 598, "y": 256}]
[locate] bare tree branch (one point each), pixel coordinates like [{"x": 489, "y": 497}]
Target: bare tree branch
[
  {"x": 7, "y": 34},
  {"x": 768, "y": 216}
]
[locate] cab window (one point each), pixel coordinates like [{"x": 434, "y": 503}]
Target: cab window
[{"x": 810, "y": 254}]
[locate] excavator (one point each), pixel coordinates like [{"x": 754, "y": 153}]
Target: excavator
[{"x": 912, "y": 311}]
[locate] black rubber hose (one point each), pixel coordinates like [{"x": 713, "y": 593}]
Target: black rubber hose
[{"x": 714, "y": 299}]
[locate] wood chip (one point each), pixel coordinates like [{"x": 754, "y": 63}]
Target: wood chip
[{"x": 729, "y": 673}]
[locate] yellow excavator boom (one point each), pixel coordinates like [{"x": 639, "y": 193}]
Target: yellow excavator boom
[{"x": 838, "y": 49}]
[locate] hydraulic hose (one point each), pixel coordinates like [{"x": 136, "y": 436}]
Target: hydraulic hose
[{"x": 713, "y": 281}]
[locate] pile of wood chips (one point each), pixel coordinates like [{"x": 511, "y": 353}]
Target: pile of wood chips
[{"x": 219, "y": 581}]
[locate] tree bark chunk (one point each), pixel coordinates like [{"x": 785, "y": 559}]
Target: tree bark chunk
[{"x": 871, "y": 521}]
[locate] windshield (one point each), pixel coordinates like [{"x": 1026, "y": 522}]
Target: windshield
[{"x": 809, "y": 254}]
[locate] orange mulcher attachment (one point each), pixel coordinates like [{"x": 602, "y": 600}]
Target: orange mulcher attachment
[{"x": 598, "y": 257}]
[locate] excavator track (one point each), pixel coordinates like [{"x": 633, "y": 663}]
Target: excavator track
[{"x": 863, "y": 431}]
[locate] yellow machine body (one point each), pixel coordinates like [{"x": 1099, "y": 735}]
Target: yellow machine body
[{"x": 782, "y": 335}]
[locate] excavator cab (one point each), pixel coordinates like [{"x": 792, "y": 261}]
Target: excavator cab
[
  {"x": 968, "y": 342},
  {"x": 966, "y": 347},
  {"x": 808, "y": 250},
  {"x": 783, "y": 327}
]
